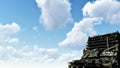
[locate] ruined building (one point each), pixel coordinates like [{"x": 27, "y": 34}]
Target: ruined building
[{"x": 102, "y": 51}]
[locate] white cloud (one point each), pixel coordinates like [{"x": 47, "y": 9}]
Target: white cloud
[
  {"x": 13, "y": 40},
  {"x": 54, "y": 13},
  {"x": 36, "y": 29},
  {"x": 77, "y": 37},
  {"x": 8, "y": 29},
  {"x": 32, "y": 65},
  {"x": 34, "y": 54},
  {"x": 1, "y": 38},
  {"x": 109, "y": 10},
  {"x": 67, "y": 56},
  {"x": 25, "y": 54},
  {"x": 96, "y": 11}
]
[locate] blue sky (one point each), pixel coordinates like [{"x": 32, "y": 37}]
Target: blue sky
[{"x": 52, "y": 32}]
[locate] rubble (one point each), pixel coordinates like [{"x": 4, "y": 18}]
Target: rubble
[{"x": 102, "y": 51}]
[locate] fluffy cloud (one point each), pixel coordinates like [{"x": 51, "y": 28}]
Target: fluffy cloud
[
  {"x": 97, "y": 11},
  {"x": 27, "y": 54},
  {"x": 8, "y": 29},
  {"x": 67, "y": 56},
  {"x": 54, "y": 13},
  {"x": 12, "y": 40},
  {"x": 109, "y": 10},
  {"x": 78, "y": 36},
  {"x": 33, "y": 54}
]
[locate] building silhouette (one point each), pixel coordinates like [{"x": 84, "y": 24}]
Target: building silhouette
[{"x": 102, "y": 51}]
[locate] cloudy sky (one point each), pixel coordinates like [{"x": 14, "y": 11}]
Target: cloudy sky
[{"x": 51, "y": 33}]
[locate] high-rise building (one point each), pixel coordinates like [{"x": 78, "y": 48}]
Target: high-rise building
[{"x": 102, "y": 51}]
